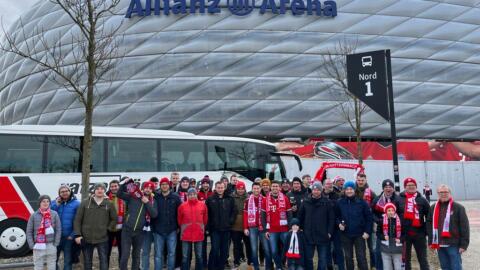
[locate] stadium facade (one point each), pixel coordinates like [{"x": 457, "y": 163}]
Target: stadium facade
[{"x": 259, "y": 74}]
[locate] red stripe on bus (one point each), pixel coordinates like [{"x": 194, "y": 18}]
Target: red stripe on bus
[{"x": 12, "y": 204}]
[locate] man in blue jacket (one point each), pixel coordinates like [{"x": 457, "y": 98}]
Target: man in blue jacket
[
  {"x": 355, "y": 221},
  {"x": 66, "y": 206}
]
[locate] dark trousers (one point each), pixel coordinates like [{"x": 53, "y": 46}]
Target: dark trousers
[
  {"x": 337, "y": 253},
  {"x": 204, "y": 251},
  {"x": 114, "y": 237},
  {"x": 322, "y": 251},
  {"x": 371, "y": 250},
  {"x": 187, "y": 255},
  {"x": 219, "y": 250},
  {"x": 419, "y": 242},
  {"x": 178, "y": 253},
  {"x": 102, "y": 249},
  {"x": 65, "y": 246},
  {"x": 131, "y": 240},
  {"x": 348, "y": 244},
  {"x": 240, "y": 240}
]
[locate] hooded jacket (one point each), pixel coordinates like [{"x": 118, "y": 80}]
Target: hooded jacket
[
  {"x": 221, "y": 212},
  {"x": 66, "y": 211},
  {"x": 192, "y": 218},
  {"x": 93, "y": 220},
  {"x": 136, "y": 210}
]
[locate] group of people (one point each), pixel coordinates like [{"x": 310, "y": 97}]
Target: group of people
[{"x": 276, "y": 224}]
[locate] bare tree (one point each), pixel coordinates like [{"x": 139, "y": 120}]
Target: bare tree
[
  {"x": 349, "y": 106},
  {"x": 78, "y": 63}
]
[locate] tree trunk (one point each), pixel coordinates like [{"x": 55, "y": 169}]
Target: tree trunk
[
  {"x": 358, "y": 130},
  {"x": 87, "y": 132}
]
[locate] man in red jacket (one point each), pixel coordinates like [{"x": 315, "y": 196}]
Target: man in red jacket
[{"x": 192, "y": 218}]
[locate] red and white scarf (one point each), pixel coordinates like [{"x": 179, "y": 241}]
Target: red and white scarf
[
  {"x": 367, "y": 196},
  {"x": 380, "y": 205},
  {"x": 282, "y": 207},
  {"x": 253, "y": 210},
  {"x": 44, "y": 229},
  {"x": 446, "y": 224},
  {"x": 293, "y": 248},
  {"x": 133, "y": 189},
  {"x": 411, "y": 210},
  {"x": 398, "y": 226},
  {"x": 147, "y": 215},
  {"x": 120, "y": 209}
]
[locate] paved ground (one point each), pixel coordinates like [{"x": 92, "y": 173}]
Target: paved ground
[{"x": 471, "y": 258}]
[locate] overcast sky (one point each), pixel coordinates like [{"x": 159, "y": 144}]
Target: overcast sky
[{"x": 10, "y": 10}]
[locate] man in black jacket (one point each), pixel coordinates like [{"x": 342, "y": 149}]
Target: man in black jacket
[
  {"x": 165, "y": 225},
  {"x": 221, "y": 216},
  {"x": 318, "y": 231},
  {"x": 297, "y": 195},
  {"x": 335, "y": 241},
  {"x": 413, "y": 210}
]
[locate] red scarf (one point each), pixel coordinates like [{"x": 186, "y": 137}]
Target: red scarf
[
  {"x": 133, "y": 189},
  {"x": 253, "y": 210},
  {"x": 183, "y": 196},
  {"x": 147, "y": 215},
  {"x": 120, "y": 209},
  {"x": 398, "y": 226},
  {"x": 411, "y": 210},
  {"x": 380, "y": 205},
  {"x": 44, "y": 229},
  {"x": 367, "y": 196},
  {"x": 446, "y": 224},
  {"x": 282, "y": 207}
]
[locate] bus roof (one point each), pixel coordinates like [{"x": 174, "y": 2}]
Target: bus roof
[{"x": 121, "y": 132}]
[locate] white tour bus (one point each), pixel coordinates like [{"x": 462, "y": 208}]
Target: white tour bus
[{"x": 36, "y": 160}]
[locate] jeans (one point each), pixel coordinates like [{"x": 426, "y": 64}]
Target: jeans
[
  {"x": 170, "y": 240},
  {"x": 65, "y": 246},
  {"x": 349, "y": 243},
  {"x": 219, "y": 250},
  {"x": 419, "y": 242},
  {"x": 146, "y": 249},
  {"x": 295, "y": 266},
  {"x": 133, "y": 240},
  {"x": 371, "y": 248},
  {"x": 337, "y": 256},
  {"x": 102, "y": 249},
  {"x": 378, "y": 254},
  {"x": 204, "y": 250},
  {"x": 240, "y": 240},
  {"x": 322, "y": 251},
  {"x": 187, "y": 255},
  {"x": 114, "y": 237},
  {"x": 450, "y": 258},
  {"x": 276, "y": 253},
  {"x": 391, "y": 261},
  {"x": 42, "y": 256}
]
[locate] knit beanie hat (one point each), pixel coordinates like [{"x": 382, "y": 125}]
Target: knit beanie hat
[
  {"x": 64, "y": 186},
  {"x": 240, "y": 185},
  {"x": 44, "y": 197},
  {"x": 294, "y": 221},
  {"x": 349, "y": 184},
  {"x": 191, "y": 191},
  {"x": 150, "y": 185},
  {"x": 387, "y": 182},
  {"x": 317, "y": 185},
  {"x": 165, "y": 180},
  {"x": 389, "y": 205},
  {"x": 206, "y": 179},
  {"x": 409, "y": 180},
  {"x": 99, "y": 185}
]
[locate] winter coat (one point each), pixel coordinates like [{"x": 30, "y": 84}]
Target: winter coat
[
  {"x": 332, "y": 196},
  {"x": 356, "y": 214},
  {"x": 459, "y": 225},
  {"x": 167, "y": 208},
  {"x": 297, "y": 198},
  {"x": 360, "y": 193},
  {"x": 34, "y": 223},
  {"x": 317, "y": 219},
  {"x": 423, "y": 210},
  {"x": 136, "y": 210},
  {"x": 192, "y": 218},
  {"x": 239, "y": 204},
  {"x": 221, "y": 212},
  {"x": 93, "y": 221},
  {"x": 302, "y": 245},
  {"x": 204, "y": 195},
  {"x": 66, "y": 211},
  {"x": 392, "y": 247}
]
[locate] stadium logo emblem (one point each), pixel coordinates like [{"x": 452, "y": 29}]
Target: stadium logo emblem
[{"x": 241, "y": 7}]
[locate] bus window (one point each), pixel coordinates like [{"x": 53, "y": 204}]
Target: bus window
[
  {"x": 63, "y": 154},
  {"x": 98, "y": 147},
  {"x": 132, "y": 155},
  {"x": 240, "y": 157},
  {"x": 182, "y": 155},
  {"x": 21, "y": 154}
]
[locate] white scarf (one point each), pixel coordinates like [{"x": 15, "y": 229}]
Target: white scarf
[{"x": 293, "y": 249}]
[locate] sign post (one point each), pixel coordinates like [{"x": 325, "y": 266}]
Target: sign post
[{"x": 369, "y": 77}]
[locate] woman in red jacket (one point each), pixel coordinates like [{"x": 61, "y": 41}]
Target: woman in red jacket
[{"x": 192, "y": 218}]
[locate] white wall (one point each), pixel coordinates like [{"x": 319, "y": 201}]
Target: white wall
[{"x": 462, "y": 177}]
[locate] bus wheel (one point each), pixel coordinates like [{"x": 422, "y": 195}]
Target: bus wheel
[{"x": 13, "y": 238}]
